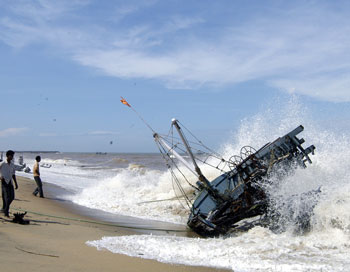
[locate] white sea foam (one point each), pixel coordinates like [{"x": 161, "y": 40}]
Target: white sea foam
[
  {"x": 257, "y": 250},
  {"x": 126, "y": 187},
  {"x": 134, "y": 192},
  {"x": 325, "y": 248},
  {"x": 66, "y": 173}
]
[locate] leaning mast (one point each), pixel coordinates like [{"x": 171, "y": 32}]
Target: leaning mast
[{"x": 201, "y": 177}]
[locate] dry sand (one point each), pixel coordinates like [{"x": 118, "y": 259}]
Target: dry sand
[{"x": 58, "y": 244}]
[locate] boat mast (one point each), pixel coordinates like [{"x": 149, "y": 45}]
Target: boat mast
[{"x": 201, "y": 177}]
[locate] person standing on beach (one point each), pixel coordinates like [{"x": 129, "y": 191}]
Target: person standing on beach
[
  {"x": 7, "y": 171},
  {"x": 36, "y": 173}
]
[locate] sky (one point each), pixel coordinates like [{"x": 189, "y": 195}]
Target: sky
[{"x": 211, "y": 64}]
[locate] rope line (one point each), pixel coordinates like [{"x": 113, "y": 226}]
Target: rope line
[{"x": 158, "y": 200}]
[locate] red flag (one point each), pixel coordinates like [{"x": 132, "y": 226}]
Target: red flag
[{"x": 124, "y": 102}]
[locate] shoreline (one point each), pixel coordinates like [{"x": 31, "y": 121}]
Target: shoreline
[
  {"x": 144, "y": 226},
  {"x": 56, "y": 236}
]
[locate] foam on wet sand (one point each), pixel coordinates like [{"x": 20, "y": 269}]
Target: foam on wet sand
[{"x": 54, "y": 242}]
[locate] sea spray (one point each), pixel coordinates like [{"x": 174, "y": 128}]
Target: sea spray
[
  {"x": 108, "y": 182},
  {"x": 325, "y": 247},
  {"x": 134, "y": 192}
]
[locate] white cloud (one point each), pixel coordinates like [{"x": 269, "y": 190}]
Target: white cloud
[
  {"x": 304, "y": 48},
  {"x": 336, "y": 89},
  {"x": 130, "y": 7},
  {"x": 44, "y": 10},
  {"x": 12, "y": 131},
  {"x": 311, "y": 58}
]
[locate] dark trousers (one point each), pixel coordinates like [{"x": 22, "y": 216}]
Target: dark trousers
[
  {"x": 39, "y": 188},
  {"x": 8, "y": 195}
]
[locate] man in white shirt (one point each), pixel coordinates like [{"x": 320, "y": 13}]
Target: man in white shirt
[{"x": 7, "y": 171}]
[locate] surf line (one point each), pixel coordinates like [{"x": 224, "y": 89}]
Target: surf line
[{"x": 99, "y": 223}]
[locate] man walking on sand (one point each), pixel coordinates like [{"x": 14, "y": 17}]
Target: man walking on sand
[
  {"x": 36, "y": 173},
  {"x": 7, "y": 171}
]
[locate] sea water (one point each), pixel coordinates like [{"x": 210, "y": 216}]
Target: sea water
[{"x": 130, "y": 184}]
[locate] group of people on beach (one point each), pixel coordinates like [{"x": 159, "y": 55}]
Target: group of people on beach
[{"x": 8, "y": 174}]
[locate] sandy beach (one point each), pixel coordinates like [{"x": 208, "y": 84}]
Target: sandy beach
[{"x": 55, "y": 239}]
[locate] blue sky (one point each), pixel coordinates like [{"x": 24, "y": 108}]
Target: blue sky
[{"x": 211, "y": 64}]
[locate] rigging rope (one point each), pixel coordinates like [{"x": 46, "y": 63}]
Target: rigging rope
[{"x": 212, "y": 151}]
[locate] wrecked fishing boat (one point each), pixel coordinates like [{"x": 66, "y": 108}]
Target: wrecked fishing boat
[
  {"x": 217, "y": 205},
  {"x": 237, "y": 192}
]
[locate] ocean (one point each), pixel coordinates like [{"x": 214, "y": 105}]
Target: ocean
[{"x": 139, "y": 186}]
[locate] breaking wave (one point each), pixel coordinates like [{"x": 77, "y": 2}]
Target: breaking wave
[{"x": 326, "y": 247}]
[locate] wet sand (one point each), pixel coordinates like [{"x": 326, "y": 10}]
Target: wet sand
[{"x": 55, "y": 238}]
